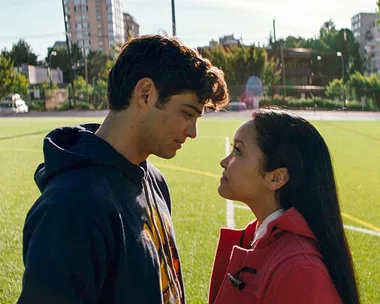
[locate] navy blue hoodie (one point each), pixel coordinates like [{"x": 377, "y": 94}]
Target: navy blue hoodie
[{"x": 101, "y": 231}]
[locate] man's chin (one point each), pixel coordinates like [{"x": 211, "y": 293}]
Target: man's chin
[{"x": 167, "y": 155}]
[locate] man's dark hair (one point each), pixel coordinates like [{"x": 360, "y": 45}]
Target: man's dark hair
[{"x": 173, "y": 67}]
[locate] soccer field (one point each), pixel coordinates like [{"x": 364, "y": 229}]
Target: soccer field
[{"x": 198, "y": 211}]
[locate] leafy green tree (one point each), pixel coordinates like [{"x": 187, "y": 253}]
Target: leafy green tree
[
  {"x": 10, "y": 80},
  {"x": 21, "y": 52},
  {"x": 61, "y": 60},
  {"x": 335, "y": 89},
  {"x": 329, "y": 42},
  {"x": 241, "y": 62}
]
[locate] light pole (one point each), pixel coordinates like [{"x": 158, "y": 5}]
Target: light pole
[
  {"x": 52, "y": 53},
  {"x": 174, "y": 26},
  {"x": 319, "y": 58},
  {"x": 339, "y": 54},
  {"x": 86, "y": 72}
]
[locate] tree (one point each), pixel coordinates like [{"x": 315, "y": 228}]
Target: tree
[
  {"x": 97, "y": 63},
  {"x": 20, "y": 84},
  {"x": 241, "y": 62},
  {"x": 21, "y": 52},
  {"x": 115, "y": 51},
  {"x": 346, "y": 44},
  {"x": 5, "y": 53},
  {"x": 81, "y": 89},
  {"x": 270, "y": 75},
  {"x": 10, "y": 80},
  {"x": 358, "y": 85},
  {"x": 329, "y": 42},
  {"x": 295, "y": 42},
  {"x": 335, "y": 89},
  {"x": 327, "y": 33},
  {"x": 373, "y": 82},
  {"x": 99, "y": 94},
  {"x": 61, "y": 60},
  {"x": 6, "y": 72}
]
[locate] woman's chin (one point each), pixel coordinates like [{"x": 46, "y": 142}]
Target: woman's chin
[{"x": 223, "y": 193}]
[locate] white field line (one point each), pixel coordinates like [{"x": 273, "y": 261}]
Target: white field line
[
  {"x": 362, "y": 230},
  {"x": 230, "y": 205}
]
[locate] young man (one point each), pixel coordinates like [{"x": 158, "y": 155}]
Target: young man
[{"x": 101, "y": 231}]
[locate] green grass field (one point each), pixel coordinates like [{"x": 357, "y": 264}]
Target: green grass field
[{"x": 198, "y": 211}]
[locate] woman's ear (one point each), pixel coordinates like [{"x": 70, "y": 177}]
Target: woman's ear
[{"x": 277, "y": 178}]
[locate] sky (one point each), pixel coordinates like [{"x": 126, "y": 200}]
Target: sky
[{"x": 40, "y": 22}]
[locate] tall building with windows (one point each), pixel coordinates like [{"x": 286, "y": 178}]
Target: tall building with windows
[
  {"x": 366, "y": 29},
  {"x": 95, "y": 24},
  {"x": 131, "y": 27},
  {"x": 361, "y": 24}
]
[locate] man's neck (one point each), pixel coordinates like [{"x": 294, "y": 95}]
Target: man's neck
[{"x": 120, "y": 130}]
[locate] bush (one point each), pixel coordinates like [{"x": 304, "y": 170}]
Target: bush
[
  {"x": 308, "y": 103},
  {"x": 80, "y": 105},
  {"x": 37, "y": 105}
]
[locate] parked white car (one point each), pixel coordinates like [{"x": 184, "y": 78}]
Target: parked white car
[{"x": 14, "y": 104}]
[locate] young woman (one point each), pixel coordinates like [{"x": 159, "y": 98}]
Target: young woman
[{"x": 296, "y": 251}]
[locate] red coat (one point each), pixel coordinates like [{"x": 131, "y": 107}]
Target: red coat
[{"x": 285, "y": 266}]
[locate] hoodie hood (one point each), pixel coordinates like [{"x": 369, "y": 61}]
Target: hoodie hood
[{"x": 72, "y": 148}]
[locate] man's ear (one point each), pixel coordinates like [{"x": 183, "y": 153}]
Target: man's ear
[
  {"x": 277, "y": 178},
  {"x": 145, "y": 92}
]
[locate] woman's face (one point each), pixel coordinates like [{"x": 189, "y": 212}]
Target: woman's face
[{"x": 243, "y": 178}]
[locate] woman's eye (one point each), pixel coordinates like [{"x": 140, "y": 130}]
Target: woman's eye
[
  {"x": 235, "y": 149},
  {"x": 188, "y": 115}
]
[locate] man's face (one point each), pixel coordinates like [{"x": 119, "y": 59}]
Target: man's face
[{"x": 167, "y": 127}]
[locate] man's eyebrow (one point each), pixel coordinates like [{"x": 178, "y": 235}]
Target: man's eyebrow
[{"x": 200, "y": 113}]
